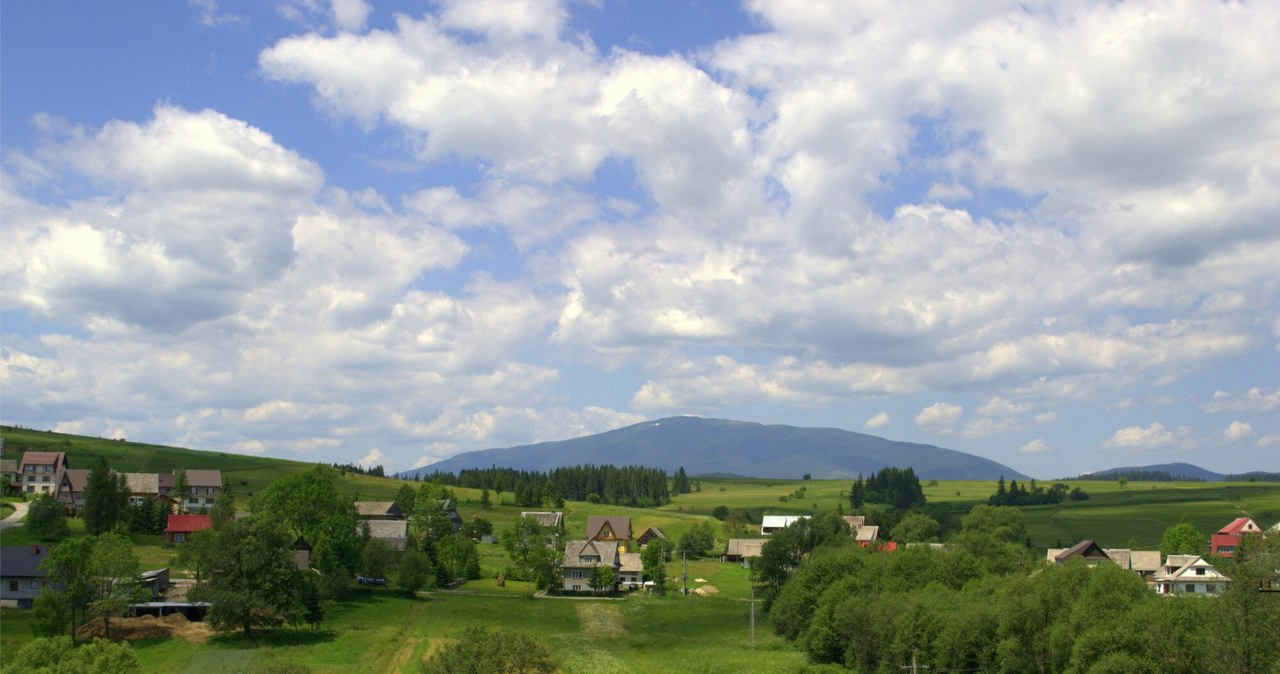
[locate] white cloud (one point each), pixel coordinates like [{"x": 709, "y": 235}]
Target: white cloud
[
  {"x": 1153, "y": 437},
  {"x": 1269, "y": 440},
  {"x": 939, "y": 418},
  {"x": 371, "y": 459},
  {"x": 1037, "y": 446},
  {"x": 880, "y": 420},
  {"x": 1237, "y": 432},
  {"x": 1256, "y": 400},
  {"x": 350, "y": 15}
]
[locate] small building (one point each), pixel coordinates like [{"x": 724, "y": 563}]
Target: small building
[
  {"x": 854, "y": 521},
  {"x": 1189, "y": 575},
  {"x": 630, "y": 570},
  {"x": 1088, "y": 550},
  {"x": 379, "y": 510},
  {"x": 204, "y": 487},
  {"x": 739, "y": 549},
  {"x": 180, "y": 527},
  {"x": 581, "y": 559},
  {"x": 301, "y": 553},
  {"x": 9, "y": 469},
  {"x": 1225, "y": 542},
  {"x": 451, "y": 511},
  {"x": 71, "y": 489},
  {"x": 1145, "y": 563},
  {"x": 41, "y": 472},
  {"x": 649, "y": 535},
  {"x": 866, "y": 534},
  {"x": 610, "y": 528},
  {"x": 393, "y": 532},
  {"x": 548, "y": 519},
  {"x": 21, "y": 578},
  {"x": 772, "y": 523},
  {"x": 142, "y": 487},
  {"x": 156, "y": 582}
]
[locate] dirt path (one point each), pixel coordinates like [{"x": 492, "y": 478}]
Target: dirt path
[{"x": 15, "y": 517}]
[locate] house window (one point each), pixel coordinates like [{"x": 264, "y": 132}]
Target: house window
[
  {"x": 576, "y": 573},
  {"x": 577, "y": 588},
  {"x": 1210, "y": 589},
  {"x": 193, "y": 501},
  {"x": 35, "y": 585},
  {"x": 1200, "y": 571},
  {"x": 1191, "y": 587},
  {"x": 45, "y": 478},
  {"x": 179, "y": 538},
  {"x": 13, "y": 586}
]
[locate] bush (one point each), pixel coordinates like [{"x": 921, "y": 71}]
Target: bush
[{"x": 482, "y": 651}]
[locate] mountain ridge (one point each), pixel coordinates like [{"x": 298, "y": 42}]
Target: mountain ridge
[{"x": 724, "y": 446}]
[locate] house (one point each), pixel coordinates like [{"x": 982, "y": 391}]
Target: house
[
  {"x": 204, "y": 487},
  {"x": 739, "y": 549},
  {"x": 1225, "y": 542},
  {"x": 181, "y": 527},
  {"x": 583, "y": 556},
  {"x": 1089, "y": 551},
  {"x": 21, "y": 578},
  {"x": 71, "y": 488},
  {"x": 609, "y": 528},
  {"x": 451, "y": 511},
  {"x": 866, "y": 534},
  {"x": 630, "y": 570},
  {"x": 550, "y": 520},
  {"x": 1189, "y": 574},
  {"x": 649, "y": 535},
  {"x": 1145, "y": 563},
  {"x": 41, "y": 472},
  {"x": 379, "y": 510},
  {"x": 854, "y": 521},
  {"x": 394, "y": 532},
  {"x": 772, "y": 523},
  {"x": 142, "y": 486}
]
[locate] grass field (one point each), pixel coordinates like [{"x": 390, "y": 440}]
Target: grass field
[{"x": 383, "y": 631}]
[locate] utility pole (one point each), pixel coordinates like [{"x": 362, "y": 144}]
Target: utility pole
[
  {"x": 684, "y": 572},
  {"x": 753, "y": 616},
  {"x": 915, "y": 668}
]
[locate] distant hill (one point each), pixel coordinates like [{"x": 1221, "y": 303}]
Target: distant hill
[
  {"x": 708, "y": 447},
  {"x": 1174, "y": 470}
]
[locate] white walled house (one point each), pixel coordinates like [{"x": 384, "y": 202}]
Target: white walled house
[{"x": 1189, "y": 575}]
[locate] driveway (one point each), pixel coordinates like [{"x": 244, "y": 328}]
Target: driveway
[{"x": 13, "y": 520}]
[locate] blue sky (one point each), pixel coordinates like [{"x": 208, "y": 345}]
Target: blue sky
[{"x": 1043, "y": 233}]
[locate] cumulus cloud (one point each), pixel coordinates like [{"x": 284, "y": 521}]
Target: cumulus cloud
[
  {"x": 1153, "y": 437},
  {"x": 939, "y": 418},
  {"x": 371, "y": 459},
  {"x": 880, "y": 420},
  {"x": 1037, "y": 446},
  {"x": 1237, "y": 432},
  {"x": 1256, "y": 400}
]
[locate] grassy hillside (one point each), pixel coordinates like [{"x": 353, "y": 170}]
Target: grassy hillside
[{"x": 244, "y": 474}]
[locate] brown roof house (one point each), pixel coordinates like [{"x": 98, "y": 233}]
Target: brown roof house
[
  {"x": 1089, "y": 551},
  {"x": 582, "y": 557},
  {"x": 205, "y": 485},
  {"x": 739, "y": 549},
  {"x": 649, "y": 535},
  {"x": 610, "y": 528},
  {"x": 41, "y": 472},
  {"x": 71, "y": 489}
]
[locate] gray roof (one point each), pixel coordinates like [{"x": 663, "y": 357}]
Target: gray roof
[
  {"x": 378, "y": 508},
  {"x": 22, "y": 561},
  {"x": 631, "y": 562},
  {"x": 387, "y": 529},
  {"x": 142, "y": 483},
  {"x": 607, "y": 551},
  {"x": 546, "y": 519},
  {"x": 745, "y": 547}
]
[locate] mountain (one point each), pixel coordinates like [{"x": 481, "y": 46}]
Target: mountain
[
  {"x": 1184, "y": 470},
  {"x": 709, "y": 447}
]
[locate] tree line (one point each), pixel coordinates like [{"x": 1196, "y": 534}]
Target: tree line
[
  {"x": 634, "y": 486},
  {"x": 983, "y": 603},
  {"x": 1033, "y": 494}
]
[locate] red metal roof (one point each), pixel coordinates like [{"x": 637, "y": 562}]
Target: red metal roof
[
  {"x": 1237, "y": 526},
  {"x": 185, "y": 524}
]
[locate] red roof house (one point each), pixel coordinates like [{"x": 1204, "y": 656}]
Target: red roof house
[
  {"x": 181, "y": 527},
  {"x": 1225, "y": 542}
]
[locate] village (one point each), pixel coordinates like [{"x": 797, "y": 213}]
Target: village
[{"x": 605, "y": 559}]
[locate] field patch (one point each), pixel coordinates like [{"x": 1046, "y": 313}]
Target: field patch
[
  {"x": 601, "y": 621},
  {"x": 221, "y": 661}
]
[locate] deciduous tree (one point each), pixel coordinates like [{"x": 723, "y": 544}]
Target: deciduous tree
[
  {"x": 481, "y": 651},
  {"x": 47, "y": 519},
  {"x": 250, "y": 578}
]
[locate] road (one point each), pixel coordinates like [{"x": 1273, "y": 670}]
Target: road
[{"x": 13, "y": 520}]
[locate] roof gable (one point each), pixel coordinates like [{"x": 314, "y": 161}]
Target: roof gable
[
  {"x": 604, "y": 528},
  {"x": 1241, "y": 525},
  {"x": 1086, "y": 549}
]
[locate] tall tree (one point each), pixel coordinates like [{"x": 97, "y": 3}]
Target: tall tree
[
  {"x": 681, "y": 482},
  {"x": 250, "y": 578},
  {"x": 181, "y": 487},
  {"x": 100, "y": 499},
  {"x": 405, "y": 497},
  {"x": 115, "y": 576},
  {"x": 224, "y": 507},
  {"x": 1183, "y": 539},
  {"x": 655, "y": 567},
  {"x": 69, "y": 565},
  {"x": 47, "y": 519},
  {"x": 858, "y": 494}
]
